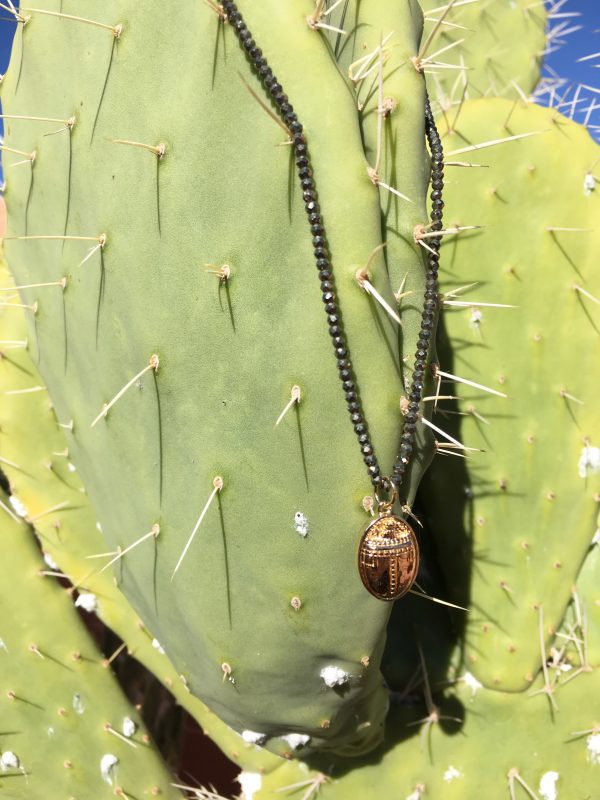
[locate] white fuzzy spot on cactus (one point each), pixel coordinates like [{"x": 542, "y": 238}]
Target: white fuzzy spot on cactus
[
  {"x": 87, "y": 601},
  {"x": 3, "y": 645},
  {"x": 51, "y": 562},
  {"x": 596, "y": 537},
  {"x": 18, "y": 506},
  {"x": 252, "y": 737},
  {"x": 589, "y": 184},
  {"x": 9, "y": 760},
  {"x": 99, "y": 527},
  {"x": 71, "y": 467},
  {"x": 157, "y": 646},
  {"x": 476, "y": 318},
  {"x": 78, "y": 704},
  {"x": 334, "y": 676},
  {"x": 593, "y": 748},
  {"x": 547, "y": 786},
  {"x": 472, "y": 682},
  {"x": 296, "y": 740},
  {"x": 108, "y": 767},
  {"x": 589, "y": 461},
  {"x": 128, "y": 727},
  {"x": 251, "y": 782},
  {"x": 451, "y": 774},
  {"x": 301, "y": 523},
  {"x": 418, "y": 792},
  {"x": 50, "y": 731}
]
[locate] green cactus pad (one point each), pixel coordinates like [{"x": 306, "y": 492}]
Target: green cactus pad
[
  {"x": 65, "y": 722},
  {"x": 525, "y": 509},
  {"x": 504, "y": 740},
  {"x": 42, "y": 478},
  {"x": 501, "y": 45},
  {"x": 274, "y": 558}
]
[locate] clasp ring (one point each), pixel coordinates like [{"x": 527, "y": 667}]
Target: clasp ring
[{"x": 385, "y": 506}]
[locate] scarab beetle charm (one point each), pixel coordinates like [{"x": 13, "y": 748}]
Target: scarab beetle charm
[{"x": 388, "y": 557}]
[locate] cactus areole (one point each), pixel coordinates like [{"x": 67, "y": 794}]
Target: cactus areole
[{"x": 388, "y": 550}]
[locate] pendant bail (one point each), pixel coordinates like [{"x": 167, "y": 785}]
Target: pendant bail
[{"x": 386, "y": 506}]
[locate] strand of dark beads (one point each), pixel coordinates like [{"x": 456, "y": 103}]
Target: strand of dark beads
[
  {"x": 430, "y": 302},
  {"x": 323, "y": 263}
]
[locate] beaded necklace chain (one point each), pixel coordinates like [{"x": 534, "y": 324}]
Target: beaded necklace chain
[{"x": 388, "y": 556}]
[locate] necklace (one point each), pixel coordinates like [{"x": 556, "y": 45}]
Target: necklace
[{"x": 388, "y": 553}]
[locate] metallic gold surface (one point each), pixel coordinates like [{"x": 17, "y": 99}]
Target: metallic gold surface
[{"x": 388, "y": 557}]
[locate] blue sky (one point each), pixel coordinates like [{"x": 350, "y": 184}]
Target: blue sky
[{"x": 563, "y": 71}]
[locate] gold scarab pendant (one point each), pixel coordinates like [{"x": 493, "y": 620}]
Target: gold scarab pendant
[{"x": 388, "y": 555}]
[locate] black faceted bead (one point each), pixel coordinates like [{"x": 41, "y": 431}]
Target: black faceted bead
[
  {"x": 319, "y": 241},
  {"x": 330, "y": 308},
  {"x": 296, "y": 127},
  {"x": 370, "y": 460},
  {"x": 354, "y": 409},
  {"x": 327, "y": 286},
  {"x": 348, "y": 386},
  {"x": 320, "y": 252}
]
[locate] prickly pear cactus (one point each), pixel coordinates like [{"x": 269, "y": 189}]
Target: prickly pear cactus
[
  {"x": 178, "y": 311},
  {"x": 47, "y": 491},
  {"x": 511, "y": 717},
  {"x": 65, "y": 722},
  {"x": 521, "y": 299},
  {"x": 473, "y": 741},
  {"x": 482, "y": 48}
]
